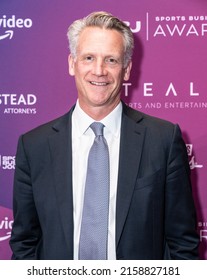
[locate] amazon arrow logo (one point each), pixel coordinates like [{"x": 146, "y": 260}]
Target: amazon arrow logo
[
  {"x": 13, "y": 22},
  {"x": 7, "y": 236},
  {"x": 8, "y": 34}
]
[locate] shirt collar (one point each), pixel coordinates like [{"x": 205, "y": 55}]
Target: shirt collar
[{"x": 112, "y": 121}]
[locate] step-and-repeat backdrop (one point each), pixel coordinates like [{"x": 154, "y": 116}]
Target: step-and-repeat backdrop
[{"x": 169, "y": 78}]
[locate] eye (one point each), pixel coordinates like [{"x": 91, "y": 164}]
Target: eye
[
  {"x": 111, "y": 60},
  {"x": 88, "y": 58}
]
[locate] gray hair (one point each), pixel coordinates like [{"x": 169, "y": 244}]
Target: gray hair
[{"x": 102, "y": 20}]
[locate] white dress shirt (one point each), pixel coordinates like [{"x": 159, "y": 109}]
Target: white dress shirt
[{"x": 82, "y": 140}]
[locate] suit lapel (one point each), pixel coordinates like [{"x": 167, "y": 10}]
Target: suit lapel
[
  {"x": 61, "y": 157},
  {"x": 131, "y": 142}
]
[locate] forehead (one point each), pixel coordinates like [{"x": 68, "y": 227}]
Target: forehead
[{"x": 96, "y": 39}]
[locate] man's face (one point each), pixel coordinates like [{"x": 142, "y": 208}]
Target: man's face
[{"x": 98, "y": 68}]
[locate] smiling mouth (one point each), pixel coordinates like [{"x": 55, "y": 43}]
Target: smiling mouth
[{"x": 99, "y": 84}]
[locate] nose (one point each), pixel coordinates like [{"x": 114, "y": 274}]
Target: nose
[{"x": 99, "y": 68}]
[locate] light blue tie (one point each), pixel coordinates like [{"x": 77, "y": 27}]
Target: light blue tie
[{"x": 94, "y": 227}]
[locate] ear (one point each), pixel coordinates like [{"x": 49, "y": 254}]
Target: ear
[
  {"x": 127, "y": 71},
  {"x": 71, "y": 63}
]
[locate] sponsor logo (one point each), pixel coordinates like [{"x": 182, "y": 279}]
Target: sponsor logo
[
  {"x": 171, "y": 26},
  {"x": 8, "y": 25},
  {"x": 171, "y": 89},
  {"x": 135, "y": 29},
  {"x": 5, "y": 228},
  {"x": 14, "y": 99},
  {"x": 193, "y": 163},
  {"x": 18, "y": 103},
  {"x": 7, "y": 162},
  {"x": 202, "y": 230},
  {"x": 177, "y": 26},
  {"x": 168, "y": 98}
]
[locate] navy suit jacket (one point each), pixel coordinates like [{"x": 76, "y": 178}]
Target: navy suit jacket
[{"x": 155, "y": 214}]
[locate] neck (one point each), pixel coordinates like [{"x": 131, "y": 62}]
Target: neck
[{"x": 98, "y": 112}]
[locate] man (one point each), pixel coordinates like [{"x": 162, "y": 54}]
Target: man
[{"x": 151, "y": 210}]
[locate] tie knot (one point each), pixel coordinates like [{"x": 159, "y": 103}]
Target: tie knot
[{"x": 97, "y": 128}]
